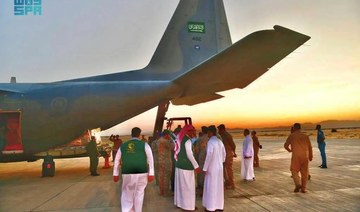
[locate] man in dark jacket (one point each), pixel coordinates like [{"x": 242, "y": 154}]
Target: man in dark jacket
[{"x": 93, "y": 155}]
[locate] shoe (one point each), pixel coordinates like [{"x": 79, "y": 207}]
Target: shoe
[
  {"x": 95, "y": 174},
  {"x": 323, "y": 167},
  {"x": 303, "y": 191},
  {"x": 297, "y": 189},
  {"x": 196, "y": 208}
]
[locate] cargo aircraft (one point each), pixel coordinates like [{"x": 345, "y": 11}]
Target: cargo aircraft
[{"x": 194, "y": 60}]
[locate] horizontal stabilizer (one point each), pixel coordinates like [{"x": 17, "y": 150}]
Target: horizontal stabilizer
[
  {"x": 241, "y": 63},
  {"x": 196, "y": 99}
]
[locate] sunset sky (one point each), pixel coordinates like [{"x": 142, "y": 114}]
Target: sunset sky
[{"x": 78, "y": 38}]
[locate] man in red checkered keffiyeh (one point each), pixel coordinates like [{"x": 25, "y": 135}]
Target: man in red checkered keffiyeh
[
  {"x": 185, "y": 165},
  {"x": 180, "y": 137}
]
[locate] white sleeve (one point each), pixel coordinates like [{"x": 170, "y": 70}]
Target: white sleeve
[
  {"x": 251, "y": 148},
  {"x": 247, "y": 149},
  {"x": 150, "y": 159},
  {"x": 209, "y": 152},
  {"x": 190, "y": 154},
  {"x": 117, "y": 162}
]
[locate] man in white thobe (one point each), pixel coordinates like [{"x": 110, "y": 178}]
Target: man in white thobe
[
  {"x": 213, "y": 195},
  {"x": 137, "y": 169},
  {"x": 247, "y": 169},
  {"x": 184, "y": 194}
]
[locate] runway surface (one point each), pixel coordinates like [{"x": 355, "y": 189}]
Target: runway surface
[{"x": 73, "y": 189}]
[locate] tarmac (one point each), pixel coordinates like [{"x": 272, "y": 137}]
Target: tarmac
[{"x": 72, "y": 188}]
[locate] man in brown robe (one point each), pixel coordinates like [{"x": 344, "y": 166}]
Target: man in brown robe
[
  {"x": 299, "y": 145},
  {"x": 230, "y": 154},
  {"x": 257, "y": 146}
]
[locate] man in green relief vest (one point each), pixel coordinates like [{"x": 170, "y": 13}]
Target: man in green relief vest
[
  {"x": 137, "y": 169},
  {"x": 184, "y": 195}
]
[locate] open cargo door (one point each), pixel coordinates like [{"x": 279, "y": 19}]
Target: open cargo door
[{"x": 10, "y": 132}]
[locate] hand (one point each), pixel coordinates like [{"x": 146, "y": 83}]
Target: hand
[
  {"x": 197, "y": 170},
  {"x": 150, "y": 178},
  {"x": 116, "y": 178}
]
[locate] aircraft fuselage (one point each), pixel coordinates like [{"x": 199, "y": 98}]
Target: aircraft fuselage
[{"x": 68, "y": 109}]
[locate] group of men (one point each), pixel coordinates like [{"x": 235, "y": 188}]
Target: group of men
[
  {"x": 208, "y": 156},
  {"x": 132, "y": 155},
  {"x": 177, "y": 156}
]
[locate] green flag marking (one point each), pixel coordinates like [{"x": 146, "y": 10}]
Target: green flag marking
[{"x": 196, "y": 27}]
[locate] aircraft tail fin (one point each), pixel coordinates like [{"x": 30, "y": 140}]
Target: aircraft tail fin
[
  {"x": 237, "y": 66},
  {"x": 197, "y": 30}
]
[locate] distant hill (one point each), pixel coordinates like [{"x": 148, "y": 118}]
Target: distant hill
[
  {"x": 340, "y": 124},
  {"x": 328, "y": 124}
]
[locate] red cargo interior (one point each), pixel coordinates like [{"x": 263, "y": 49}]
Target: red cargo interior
[{"x": 10, "y": 132}]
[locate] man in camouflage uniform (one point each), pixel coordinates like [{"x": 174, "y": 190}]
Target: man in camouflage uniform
[{"x": 230, "y": 147}]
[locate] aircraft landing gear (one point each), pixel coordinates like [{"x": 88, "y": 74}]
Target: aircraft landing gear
[
  {"x": 159, "y": 122},
  {"x": 48, "y": 166}
]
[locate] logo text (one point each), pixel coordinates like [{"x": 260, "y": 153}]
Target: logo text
[{"x": 26, "y": 7}]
